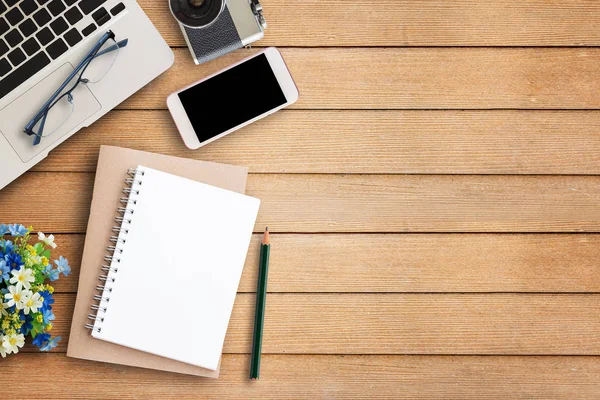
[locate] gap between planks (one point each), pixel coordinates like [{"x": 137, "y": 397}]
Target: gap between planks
[
  {"x": 556, "y": 324},
  {"x": 364, "y": 142},
  {"x": 410, "y": 263}
]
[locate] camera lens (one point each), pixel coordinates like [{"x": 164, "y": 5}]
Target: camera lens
[{"x": 196, "y": 13}]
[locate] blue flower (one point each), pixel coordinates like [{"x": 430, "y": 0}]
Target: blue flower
[
  {"x": 52, "y": 274},
  {"x": 62, "y": 265},
  {"x": 27, "y": 326},
  {"x": 3, "y": 229},
  {"x": 17, "y": 230},
  {"x": 52, "y": 343},
  {"x": 14, "y": 261},
  {"x": 48, "y": 300},
  {"x": 48, "y": 316},
  {"x": 40, "y": 339},
  {"x": 4, "y": 270},
  {"x": 6, "y": 246}
]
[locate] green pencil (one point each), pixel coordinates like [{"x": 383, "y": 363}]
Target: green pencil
[{"x": 261, "y": 300}]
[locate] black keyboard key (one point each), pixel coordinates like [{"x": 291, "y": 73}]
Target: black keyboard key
[
  {"x": 59, "y": 26},
  {"x": 104, "y": 19},
  {"x": 24, "y": 72},
  {"x": 16, "y": 57},
  {"x": 27, "y": 27},
  {"x": 11, "y": 2},
  {"x": 31, "y": 46},
  {"x": 70, "y": 2},
  {"x": 42, "y": 2},
  {"x": 13, "y": 38},
  {"x": 4, "y": 67},
  {"x": 42, "y": 17},
  {"x": 101, "y": 16},
  {"x": 72, "y": 37},
  {"x": 3, "y": 47},
  {"x": 2, "y": 8},
  {"x": 117, "y": 9},
  {"x": 99, "y": 13},
  {"x": 14, "y": 16},
  {"x": 57, "y": 48},
  {"x": 56, "y": 7},
  {"x": 88, "y": 29},
  {"x": 44, "y": 36},
  {"x": 73, "y": 15},
  {"x": 3, "y": 26},
  {"x": 87, "y": 6},
  {"x": 28, "y": 6}
]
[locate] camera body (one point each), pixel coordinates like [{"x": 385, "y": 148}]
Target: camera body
[{"x": 212, "y": 28}]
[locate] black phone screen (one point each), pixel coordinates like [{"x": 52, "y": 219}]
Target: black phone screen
[{"x": 232, "y": 98}]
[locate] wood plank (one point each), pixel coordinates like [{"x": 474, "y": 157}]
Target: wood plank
[
  {"x": 410, "y": 263},
  {"x": 415, "y": 78},
  {"x": 355, "y": 203},
  {"x": 415, "y": 23},
  {"x": 477, "y": 324},
  {"x": 387, "y": 142},
  {"x": 318, "y": 377}
]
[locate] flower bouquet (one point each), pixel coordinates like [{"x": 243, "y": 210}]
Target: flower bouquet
[{"x": 25, "y": 299}]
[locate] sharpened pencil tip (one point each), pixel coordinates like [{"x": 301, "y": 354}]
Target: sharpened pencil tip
[{"x": 267, "y": 229}]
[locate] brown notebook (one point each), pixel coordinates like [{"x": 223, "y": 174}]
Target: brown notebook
[{"x": 113, "y": 163}]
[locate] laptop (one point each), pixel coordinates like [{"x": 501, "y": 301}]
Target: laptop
[{"x": 41, "y": 44}]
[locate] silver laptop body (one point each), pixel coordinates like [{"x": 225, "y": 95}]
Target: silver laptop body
[{"x": 145, "y": 57}]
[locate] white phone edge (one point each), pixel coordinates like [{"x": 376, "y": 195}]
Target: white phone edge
[{"x": 284, "y": 78}]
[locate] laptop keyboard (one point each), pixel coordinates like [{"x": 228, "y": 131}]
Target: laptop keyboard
[{"x": 35, "y": 32}]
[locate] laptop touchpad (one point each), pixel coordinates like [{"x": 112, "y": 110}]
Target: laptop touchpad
[{"x": 17, "y": 114}]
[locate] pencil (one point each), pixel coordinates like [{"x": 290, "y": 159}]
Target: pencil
[{"x": 261, "y": 300}]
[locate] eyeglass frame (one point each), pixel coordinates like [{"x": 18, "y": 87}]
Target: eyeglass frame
[{"x": 42, "y": 114}]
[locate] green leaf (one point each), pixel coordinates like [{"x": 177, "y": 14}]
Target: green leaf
[
  {"x": 39, "y": 278},
  {"x": 46, "y": 254},
  {"x": 39, "y": 247},
  {"x": 37, "y": 328}
]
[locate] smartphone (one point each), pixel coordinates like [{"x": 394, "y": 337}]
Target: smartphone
[{"x": 232, "y": 98}]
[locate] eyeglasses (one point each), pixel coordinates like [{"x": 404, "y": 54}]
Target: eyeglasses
[{"x": 92, "y": 69}]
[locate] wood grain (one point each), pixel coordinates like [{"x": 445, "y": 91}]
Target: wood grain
[
  {"x": 415, "y": 23},
  {"x": 373, "y": 295},
  {"x": 415, "y": 78},
  {"x": 410, "y": 263},
  {"x": 387, "y": 323},
  {"x": 386, "y": 142},
  {"x": 318, "y": 377},
  {"x": 356, "y": 203}
]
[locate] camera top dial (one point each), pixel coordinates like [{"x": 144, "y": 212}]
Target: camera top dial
[{"x": 196, "y": 13}]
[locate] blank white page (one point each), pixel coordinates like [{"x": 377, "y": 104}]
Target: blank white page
[{"x": 179, "y": 269}]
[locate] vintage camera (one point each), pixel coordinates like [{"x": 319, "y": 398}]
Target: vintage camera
[{"x": 215, "y": 27}]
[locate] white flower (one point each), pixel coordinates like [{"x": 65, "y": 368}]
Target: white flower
[
  {"x": 14, "y": 297},
  {"x": 31, "y": 302},
  {"x": 48, "y": 241},
  {"x": 12, "y": 343},
  {"x": 2, "y": 349},
  {"x": 22, "y": 277}
]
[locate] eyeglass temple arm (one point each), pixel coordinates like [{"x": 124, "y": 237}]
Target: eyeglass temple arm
[
  {"x": 118, "y": 45},
  {"x": 47, "y": 104},
  {"x": 38, "y": 138}
]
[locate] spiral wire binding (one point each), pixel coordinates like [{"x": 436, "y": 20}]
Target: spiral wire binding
[{"x": 113, "y": 249}]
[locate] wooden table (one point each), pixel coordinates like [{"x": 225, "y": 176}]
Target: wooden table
[{"x": 434, "y": 197}]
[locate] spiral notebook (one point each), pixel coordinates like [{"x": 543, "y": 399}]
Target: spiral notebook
[
  {"x": 113, "y": 163},
  {"x": 170, "y": 284}
]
